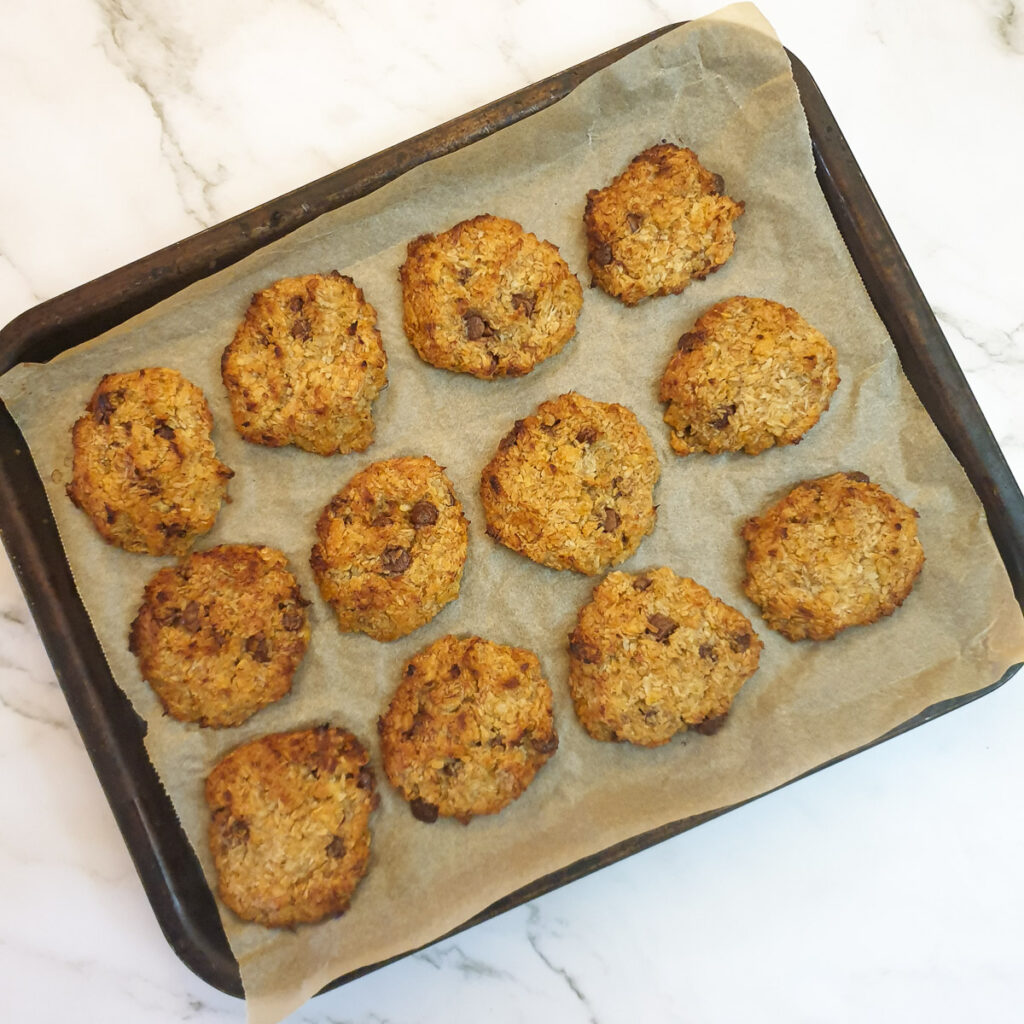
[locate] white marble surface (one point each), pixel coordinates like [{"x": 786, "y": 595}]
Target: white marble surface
[{"x": 888, "y": 888}]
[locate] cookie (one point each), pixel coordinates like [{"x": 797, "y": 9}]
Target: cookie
[
  {"x": 289, "y": 828},
  {"x": 835, "y": 552},
  {"x": 305, "y": 365},
  {"x": 751, "y": 374},
  {"x": 468, "y": 728},
  {"x": 654, "y": 654},
  {"x": 487, "y": 298},
  {"x": 391, "y": 547},
  {"x": 572, "y": 486},
  {"x": 662, "y": 223},
  {"x": 145, "y": 470},
  {"x": 220, "y": 635}
]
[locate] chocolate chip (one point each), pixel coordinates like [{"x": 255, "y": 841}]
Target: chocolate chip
[
  {"x": 295, "y": 303},
  {"x": 740, "y": 642},
  {"x": 710, "y": 725},
  {"x": 723, "y": 420},
  {"x": 611, "y": 520},
  {"x": 110, "y": 514},
  {"x": 476, "y": 326},
  {"x": 587, "y": 435},
  {"x": 336, "y": 848},
  {"x": 860, "y": 477},
  {"x": 237, "y": 832},
  {"x": 292, "y": 619},
  {"x": 582, "y": 651},
  {"x": 103, "y": 408},
  {"x": 661, "y": 627},
  {"x": 396, "y": 560},
  {"x": 463, "y": 274},
  {"x": 455, "y": 671},
  {"x": 380, "y": 520},
  {"x": 706, "y": 651},
  {"x": 689, "y": 341},
  {"x": 452, "y": 766},
  {"x": 317, "y": 561},
  {"x": 634, "y": 220},
  {"x": 163, "y": 430},
  {"x": 642, "y": 582},
  {"x": 256, "y": 645},
  {"x": 545, "y": 744},
  {"x": 512, "y": 436},
  {"x": 602, "y": 254},
  {"x": 524, "y": 302},
  {"x": 423, "y": 513},
  {"x": 717, "y": 184},
  {"x": 301, "y": 329},
  {"x": 423, "y": 811},
  {"x": 365, "y": 779},
  {"x": 190, "y": 617}
]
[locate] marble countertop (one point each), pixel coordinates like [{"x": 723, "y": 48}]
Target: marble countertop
[{"x": 885, "y": 888}]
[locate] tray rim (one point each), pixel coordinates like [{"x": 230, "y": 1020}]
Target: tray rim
[{"x": 93, "y": 307}]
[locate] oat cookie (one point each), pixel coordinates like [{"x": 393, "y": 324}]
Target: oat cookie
[
  {"x": 835, "y": 552},
  {"x": 572, "y": 486},
  {"x": 220, "y": 635},
  {"x": 653, "y": 654},
  {"x": 305, "y": 365},
  {"x": 391, "y": 547},
  {"x": 289, "y": 830},
  {"x": 468, "y": 728},
  {"x": 751, "y": 374},
  {"x": 145, "y": 470},
  {"x": 662, "y": 223},
  {"x": 487, "y": 298}
]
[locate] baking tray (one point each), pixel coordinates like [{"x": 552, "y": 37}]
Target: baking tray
[{"x": 111, "y": 731}]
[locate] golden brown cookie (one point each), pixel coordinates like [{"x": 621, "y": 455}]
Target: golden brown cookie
[
  {"x": 751, "y": 374},
  {"x": 391, "y": 547},
  {"x": 487, "y": 298},
  {"x": 145, "y": 470},
  {"x": 572, "y": 486},
  {"x": 653, "y": 654},
  {"x": 468, "y": 728},
  {"x": 835, "y": 552},
  {"x": 305, "y": 365},
  {"x": 220, "y": 635},
  {"x": 289, "y": 831},
  {"x": 662, "y": 223}
]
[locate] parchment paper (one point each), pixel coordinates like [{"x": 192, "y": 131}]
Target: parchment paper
[{"x": 721, "y": 85}]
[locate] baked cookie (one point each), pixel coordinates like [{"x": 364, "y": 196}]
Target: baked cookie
[
  {"x": 653, "y": 654},
  {"x": 289, "y": 831},
  {"x": 835, "y": 552},
  {"x": 487, "y": 298},
  {"x": 390, "y": 549},
  {"x": 145, "y": 470},
  {"x": 751, "y": 374},
  {"x": 572, "y": 486},
  {"x": 220, "y": 635},
  {"x": 468, "y": 728},
  {"x": 305, "y": 365},
  {"x": 662, "y": 223}
]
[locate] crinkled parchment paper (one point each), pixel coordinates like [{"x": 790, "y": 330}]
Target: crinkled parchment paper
[{"x": 721, "y": 85}]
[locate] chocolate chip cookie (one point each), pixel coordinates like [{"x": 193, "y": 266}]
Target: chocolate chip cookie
[
  {"x": 834, "y": 552},
  {"x": 662, "y": 223},
  {"x": 145, "y": 470},
  {"x": 220, "y": 635},
  {"x": 305, "y": 366},
  {"x": 572, "y": 486},
  {"x": 751, "y": 374},
  {"x": 487, "y": 298},
  {"x": 289, "y": 831},
  {"x": 468, "y": 728},
  {"x": 391, "y": 547},
  {"x": 654, "y": 654}
]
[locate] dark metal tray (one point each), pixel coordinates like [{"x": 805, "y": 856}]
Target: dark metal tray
[{"x": 111, "y": 731}]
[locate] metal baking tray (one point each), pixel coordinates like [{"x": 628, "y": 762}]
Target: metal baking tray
[{"x": 112, "y": 733}]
